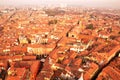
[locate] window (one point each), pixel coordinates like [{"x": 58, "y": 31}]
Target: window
[{"x": 72, "y": 35}]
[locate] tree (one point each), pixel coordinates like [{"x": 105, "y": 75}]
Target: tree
[
  {"x": 89, "y": 26},
  {"x": 52, "y": 22}
]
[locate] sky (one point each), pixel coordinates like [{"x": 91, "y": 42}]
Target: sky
[{"x": 88, "y": 3}]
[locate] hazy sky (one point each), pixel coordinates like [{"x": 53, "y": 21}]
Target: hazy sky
[{"x": 91, "y": 3}]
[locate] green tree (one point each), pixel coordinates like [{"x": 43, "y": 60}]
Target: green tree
[{"x": 89, "y": 26}]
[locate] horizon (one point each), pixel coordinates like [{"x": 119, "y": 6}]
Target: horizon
[{"x": 83, "y": 3}]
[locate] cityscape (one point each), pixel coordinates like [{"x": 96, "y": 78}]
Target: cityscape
[{"x": 59, "y": 42}]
